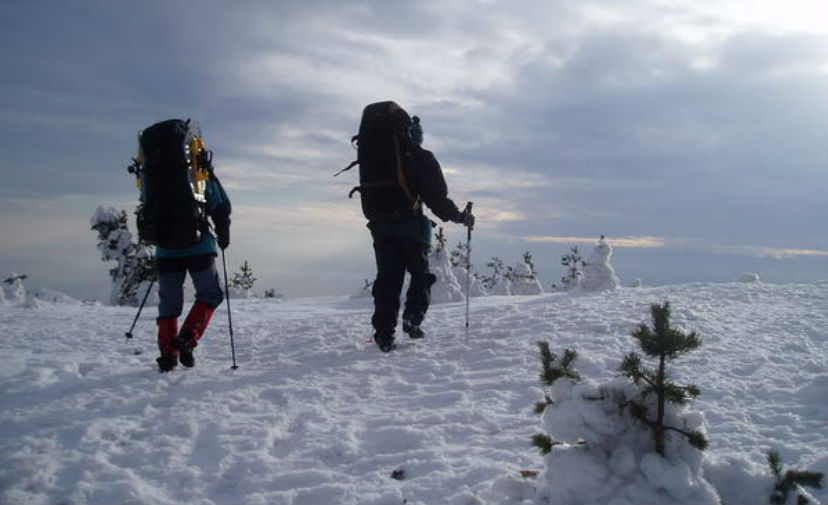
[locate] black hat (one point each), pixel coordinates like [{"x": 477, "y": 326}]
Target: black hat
[{"x": 416, "y": 131}]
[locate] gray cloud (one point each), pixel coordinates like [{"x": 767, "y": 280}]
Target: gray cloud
[{"x": 567, "y": 119}]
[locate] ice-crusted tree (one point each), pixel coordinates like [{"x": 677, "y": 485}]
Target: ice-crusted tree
[
  {"x": 134, "y": 261},
  {"x": 523, "y": 277},
  {"x": 665, "y": 344},
  {"x": 596, "y": 450},
  {"x": 458, "y": 255},
  {"x": 13, "y": 284},
  {"x": 791, "y": 480},
  {"x": 527, "y": 258},
  {"x": 498, "y": 283}
]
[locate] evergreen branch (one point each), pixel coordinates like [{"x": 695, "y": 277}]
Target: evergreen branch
[
  {"x": 775, "y": 463},
  {"x": 544, "y": 443},
  {"x": 805, "y": 478},
  {"x": 695, "y": 438}
]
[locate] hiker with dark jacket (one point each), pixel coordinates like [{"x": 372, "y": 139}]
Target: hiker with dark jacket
[
  {"x": 400, "y": 230},
  {"x": 172, "y": 266}
]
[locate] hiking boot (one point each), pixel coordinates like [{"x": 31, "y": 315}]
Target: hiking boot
[
  {"x": 166, "y": 363},
  {"x": 184, "y": 344},
  {"x": 413, "y": 330},
  {"x": 385, "y": 342}
]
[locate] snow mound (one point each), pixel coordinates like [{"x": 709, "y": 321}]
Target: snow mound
[
  {"x": 524, "y": 281},
  {"x": 446, "y": 288},
  {"x": 598, "y": 273},
  {"x": 748, "y": 278},
  {"x": 53, "y": 296}
]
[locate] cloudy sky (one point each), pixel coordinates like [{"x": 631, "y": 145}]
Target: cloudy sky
[{"x": 693, "y": 134}]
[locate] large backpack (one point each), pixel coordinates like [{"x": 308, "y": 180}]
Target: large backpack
[
  {"x": 172, "y": 168},
  {"x": 386, "y": 164}
]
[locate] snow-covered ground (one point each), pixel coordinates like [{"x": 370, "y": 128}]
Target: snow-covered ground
[{"x": 316, "y": 415}]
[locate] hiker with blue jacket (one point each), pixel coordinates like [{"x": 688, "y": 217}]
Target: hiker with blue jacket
[
  {"x": 179, "y": 191},
  {"x": 172, "y": 266}
]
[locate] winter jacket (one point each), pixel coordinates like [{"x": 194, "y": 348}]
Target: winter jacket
[
  {"x": 427, "y": 182},
  {"x": 218, "y": 208}
]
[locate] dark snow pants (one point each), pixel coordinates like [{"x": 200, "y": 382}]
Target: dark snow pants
[
  {"x": 171, "y": 275},
  {"x": 394, "y": 257}
]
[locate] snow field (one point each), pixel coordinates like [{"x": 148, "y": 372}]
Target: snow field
[{"x": 315, "y": 414}]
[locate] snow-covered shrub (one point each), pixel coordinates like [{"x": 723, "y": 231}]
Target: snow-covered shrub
[
  {"x": 498, "y": 282},
  {"x": 459, "y": 255},
  {"x": 446, "y": 288},
  {"x": 574, "y": 264},
  {"x": 523, "y": 279},
  {"x": 476, "y": 287},
  {"x": 134, "y": 260},
  {"x": 597, "y": 449},
  {"x": 748, "y": 278},
  {"x": 554, "y": 368},
  {"x": 598, "y": 274},
  {"x": 13, "y": 288}
]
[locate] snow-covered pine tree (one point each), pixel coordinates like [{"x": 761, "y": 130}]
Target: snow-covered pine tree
[
  {"x": 13, "y": 287},
  {"x": 458, "y": 255},
  {"x": 791, "y": 480},
  {"x": 243, "y": 279},
  {"x": 523, "y": 278},
  {"x": 665, "y": 344},
  {"x": 134, "y": 260},
  {"x": 574, "y": 264},
  {"x": 446, "y": 287},
  {"x": 527, "y": 258}
]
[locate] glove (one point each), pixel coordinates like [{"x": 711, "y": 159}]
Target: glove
[
  {"x": 465, "y": 218},
  {"x": 223, "y": 233}
]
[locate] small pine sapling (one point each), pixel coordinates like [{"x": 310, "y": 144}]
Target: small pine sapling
[
  {"x": 496, "y": 265},
  {"x": 552, "y": 369},
  {"x": 527, "y": 258},
  {"x": 244, "y": 278},
  {"x": 574, "y": 264},
  {"x": 458, "y": 255},
  {"x": 790, "y": 480},
  {"x": 440, "y": 237},
  {"x": 665, "y": 344}
]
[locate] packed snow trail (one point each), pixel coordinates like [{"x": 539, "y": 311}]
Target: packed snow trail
[{"x": 315, "y": 414}]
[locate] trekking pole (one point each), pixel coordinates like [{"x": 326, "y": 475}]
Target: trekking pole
[
  {"x": 229, "y": 318},
  {"x": 144, "y": 301},
  {"x": 468, "y": 269}
]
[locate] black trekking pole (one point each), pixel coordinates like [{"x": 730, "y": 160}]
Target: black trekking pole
[
  {"x": 468, "y": 269},
  {"x": 143, "y": 302},
  {"x": 229, "y": 318}
]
